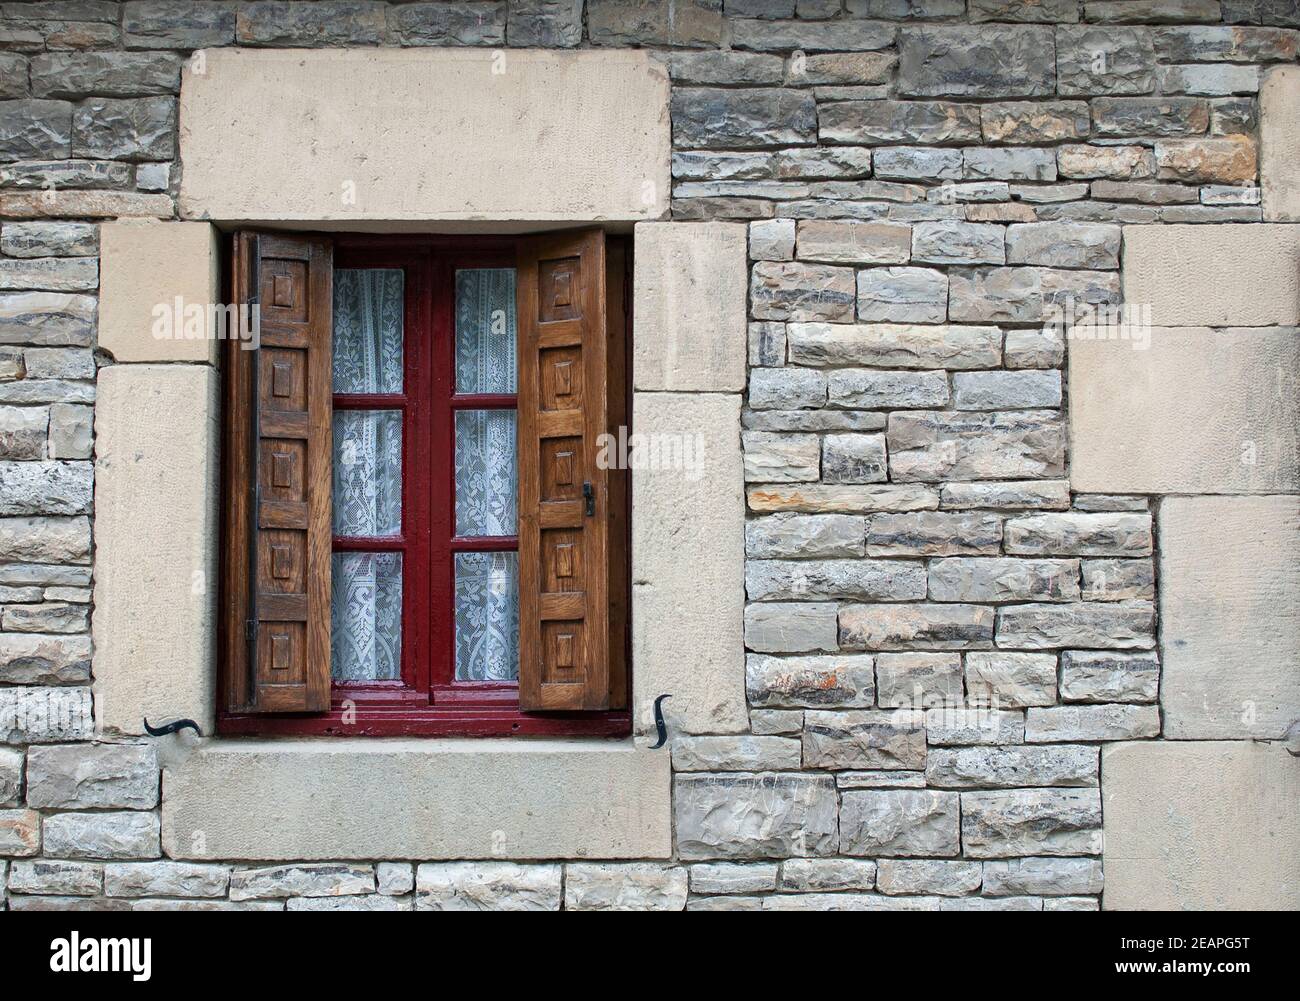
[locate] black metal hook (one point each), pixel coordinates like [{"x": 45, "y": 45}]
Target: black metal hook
[
  {"x": 166, "y": 728},
  {"x": 659, "y": 723}
]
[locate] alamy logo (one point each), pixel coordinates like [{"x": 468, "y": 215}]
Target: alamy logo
[{"x": 103, "y": 955}]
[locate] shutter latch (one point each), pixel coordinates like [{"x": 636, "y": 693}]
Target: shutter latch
[{"x": 589, "y": 495}]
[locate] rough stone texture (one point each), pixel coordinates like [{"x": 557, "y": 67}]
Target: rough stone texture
[
  {"x": 887, "y": 345},
  {"x": 843, "y": 681},
  {"x": 1104, "y": 60},
  {"x": 701, "y": 659},
  {"x": 1011, "y": 680},
  {"x": 1074, "y": 534},
  {"x": 902, "y": 295},
  {"x": 949, "y": 879},
  {"x": 1103, "y": 676},
  {"x": 92, "y": 776},
  {"x": 790, "y": 627},
  {"x": 11, "y": 775},
  {"x": 42, "y": 658},
  {"x": 1006, "y": 390},
  {"x": 1119, "y": 580},
  {"x": 708, "y": 118},
  {"x": 735, "y": 754},
  {"x": 1121, "y": 625},
  {"x": 42, "y": 876},
  {"x": 754, "y": 816},
  {"x": 944, "y": 446},
  {"x": 1229, "y": 602},
  {"x": 918, "y": 680},
  {"x": 1279, "y": 146},
  {"x": 1198, "y": 411},
  {"x": 795, "y": 535},
  {"x": 1201, "y": 826},
  {"x": 127, "y": 835},
  {"x": 1106, "y": 722},
  {"x": 1031, "y": 822},
  {"x": 810, "y": 875},
  {"x": 168, "y": 879},
  {"x": 1217, "y": 275},
  {"x": 156, "y": 436},
  {"x": 915, "y": 626},
  {"x": 690, "y": 307},
  {"x": 484, "y": 886},
  {"x": 976, "y": 62},
  {"x": 1004, "y": 579},
  {"x": 310, "y": 799},
  {"x": 869, "y": 739},
  {"x": 933, "y": 533},
  {"x": 1064, "y": 245},
  {"x": 975, "y": 767},
  {"x": 1048, "y": 876},
  {"x": 901, "y": 822},
  {"x": 794, "y": 291},
  {"x": 43, "y": 715},
  {"x": 626, "y": 887},
  {"x": 20, "y": 832},
  {"x": 853, "y": 242}
]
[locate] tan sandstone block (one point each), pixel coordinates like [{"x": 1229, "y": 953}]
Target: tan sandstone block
[
  {"x": 689, "y": 306},
  {"x": 1201, "y": 826},
  {"x": 144, "y": 264},
  {"x": 155, "y": 544},
  {"x": 1198, "y": 411},
  {"x": 1238, "y": 274},
  {"x": 425, "y": 134},
  {"x": 688, "y": 557},
  {"x": 424, "y": 799},
  {"x": 1279, "y": 130},
  {"x": 1230, "y": 616}
]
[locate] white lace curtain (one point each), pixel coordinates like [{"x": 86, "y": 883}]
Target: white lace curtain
[{"x": 367, "y": 608}]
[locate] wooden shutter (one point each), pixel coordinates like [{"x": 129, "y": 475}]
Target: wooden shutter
[
  {"x": 572, "y": 514},
  {"x": 277, "y": 467}
]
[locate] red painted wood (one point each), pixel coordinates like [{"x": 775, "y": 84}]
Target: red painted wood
[{"x": 427, "y": 701}]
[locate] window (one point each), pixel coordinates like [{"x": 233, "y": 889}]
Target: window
[{"x": 419, "y": 538}]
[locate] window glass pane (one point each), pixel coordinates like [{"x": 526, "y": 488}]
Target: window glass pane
[
  {"x": 366, "y": 640},
  {"x": 485, "y": 330},
  {"x": 486, "y": 474},
  {"x": 487, "y": 616},
  {"x": 367, "y": 472},
  {"x": 368, "y": 315}
]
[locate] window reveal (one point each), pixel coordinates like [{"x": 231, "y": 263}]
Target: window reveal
[{"x": 475, "y": 587}]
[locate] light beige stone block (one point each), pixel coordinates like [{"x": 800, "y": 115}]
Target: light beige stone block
[
  {"x": 689, "y": 306},
  {"x": 1279, "y": 132},
  {"x": 1198, "y": 411},
  {"x": 688, "y": 553},
  {"x": 1201, "y": 826},
  {"x": 424, "y": 135},
  {"x": 1226, "y": 274},
  {"x": 156, "y": 545},
  {"x": 145, "y": 264},
  {"x": 425, "y": 799},
  {"x": 1230, "y": 616}
]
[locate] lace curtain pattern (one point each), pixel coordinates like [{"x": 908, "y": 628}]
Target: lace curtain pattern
[
  {"x": 487, "y": 616},
  {"x": 366, "y": 637},
  {"x": 487, "y": 482}
]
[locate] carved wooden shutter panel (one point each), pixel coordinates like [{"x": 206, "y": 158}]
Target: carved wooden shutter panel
[
  {"x": 278, "y": 454},
  {"x": 572, "y": 514}
]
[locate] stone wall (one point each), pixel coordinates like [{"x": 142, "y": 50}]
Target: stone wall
[{"x": 942, "y": 636}]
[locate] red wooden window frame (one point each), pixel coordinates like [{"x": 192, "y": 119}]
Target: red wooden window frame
[{"x": 428, "y": 700}]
